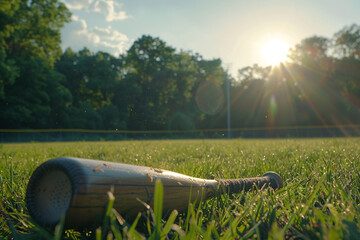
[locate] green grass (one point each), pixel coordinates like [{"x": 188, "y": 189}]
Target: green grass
[{"x": 320, "y": 198}]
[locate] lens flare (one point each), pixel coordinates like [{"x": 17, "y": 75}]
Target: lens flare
[
  {"x": 209, "y": 98},
  {"x": 272, "y": 109}
]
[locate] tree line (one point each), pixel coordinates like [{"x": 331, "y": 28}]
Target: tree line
[{"x": 153, "y": 86}]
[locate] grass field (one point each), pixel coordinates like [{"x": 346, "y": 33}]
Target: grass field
[{"x": 320, "y": 198}]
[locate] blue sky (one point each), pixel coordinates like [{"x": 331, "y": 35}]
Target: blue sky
[{"x": 234, "y": 31}]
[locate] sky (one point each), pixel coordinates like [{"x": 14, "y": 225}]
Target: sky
[{"x": 236, "y": 31}]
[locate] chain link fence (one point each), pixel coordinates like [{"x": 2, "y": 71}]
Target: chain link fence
[{"x": 52, "y": 135}]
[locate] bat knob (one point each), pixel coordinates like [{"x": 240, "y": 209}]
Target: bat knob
[{"x": 276, "y": 178}]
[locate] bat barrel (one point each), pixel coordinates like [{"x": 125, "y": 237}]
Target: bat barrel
[
  {"x": 77, "y": 188},
  {"x": 269, "y": 179}
]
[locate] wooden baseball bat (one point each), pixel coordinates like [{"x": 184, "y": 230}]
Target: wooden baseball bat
[{"x": 77, "y": 188}]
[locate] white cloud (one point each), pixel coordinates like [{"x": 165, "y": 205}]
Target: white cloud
[
  {"x": 109, "y": 34},
  {"x": 78, "y": 35},
  {"x": 77, "y": 4},
  {"x": 109, "y": 9},
  {"x": 74, "y": 18}
]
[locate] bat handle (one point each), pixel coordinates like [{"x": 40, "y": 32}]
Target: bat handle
[{"x": 269, "y": 179}]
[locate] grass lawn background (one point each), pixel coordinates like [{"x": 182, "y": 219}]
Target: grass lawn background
[{"x": 320, "y": 198}]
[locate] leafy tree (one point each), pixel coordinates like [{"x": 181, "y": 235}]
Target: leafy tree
[
  {"x": 247, "y": 104},
  {"x": 347, "y": 67},
  {"x": 36, "y": 28},
  {"x": 210, "y": 94},
  {"x": 36, "y": 95},
  {"x": 347, "y": 42},
  {"x": 94, "y": 78},
  {"x": 29, "y": 46},
  {"x": 252, "y": 73},
  {"x": 85, "y": 117},
  {"x": 8, "y": 69},
  {"x": 149, "y": 63},
  {"x": 167, "y": 82},
  {"x": 310, "y": 51},
  {"x": 60, "y": 98},
  {"x": 90, "y": 77}
]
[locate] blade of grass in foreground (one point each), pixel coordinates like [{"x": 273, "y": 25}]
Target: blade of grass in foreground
[
  {"x": 158, "y": 205},
  {"x": 106, "y": 221},
  {"x": 168, "y": 224},
  {"x": 59, "y": 228}
]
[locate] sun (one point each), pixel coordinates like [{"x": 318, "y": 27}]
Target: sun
[{"x": 275, "y": 51}]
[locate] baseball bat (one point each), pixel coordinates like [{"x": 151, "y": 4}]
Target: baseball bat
[{"x": 77, "y": 188}]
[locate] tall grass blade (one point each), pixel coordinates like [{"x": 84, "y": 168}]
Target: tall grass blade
[
  {"x": 158, "y": 208},
  {"x": 168, "y": 224}
]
